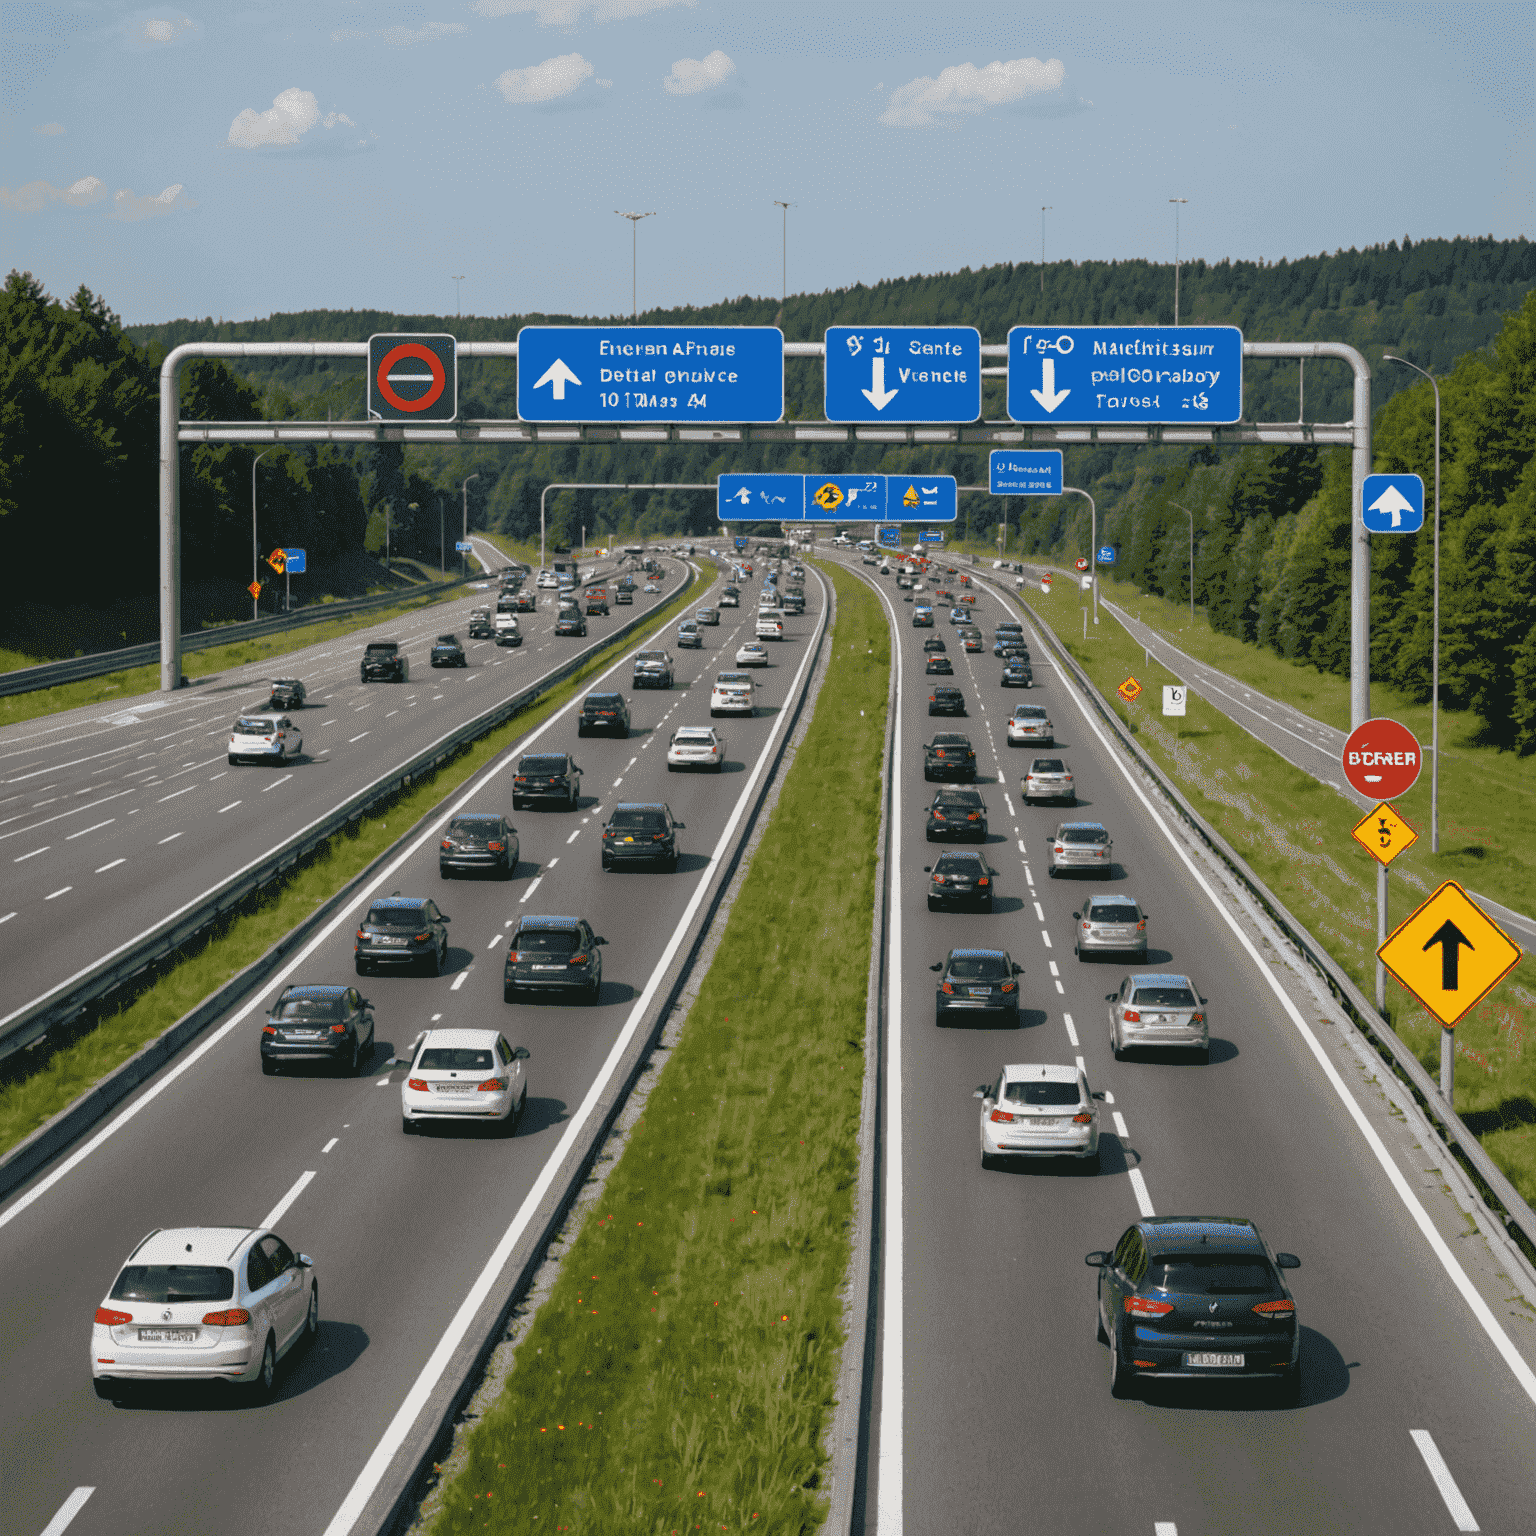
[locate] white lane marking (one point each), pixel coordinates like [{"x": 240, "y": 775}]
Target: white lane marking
[
  {"x": 495, "y": 940},
  {"x": 1045, "y": 938},
  {"x": 273, "y": 785},
  {"x": 1109, "y": 1098},
  {"x": 1125, "y": 1135},
  {"x": 334, "y": 1139},
  {"x": 618, "y": 781},
  {"x": 63, "y": 890},
  {"x": 1021, "y": 845},
  {"x": 384, "y": 1082},
  {"x": 232, "y": 804},
  {"x": 1061, "y": 989},
  {"x": 67, "y": 1512},
  {"x": 572, "y": 838},
  {"x": 392, "y": 712},
  {"x": 533, "y": 885},
  {"x": 171, "y": 839},
  {"x": 459, "y": 980},
  {"x": 1054, "y": 971},
  {"x": 24, "y": 857},
  {"x": 173, "y": 794},
  {"x": 97, "y": 828},
  {"x": 278, "y": 1211},
  {"x": 1039, "y": 913},
  {"x": 550, "y": 865},
  {"x": 214, "y": 776},
  {"x": 1143, "y": 1199},
  {"x": 1066, "y": 1019},
  {"x": 358, "y": 737},
  {"x": 60, "y": 815},
  {"x": 1164, "y": 1528},
  {"x": 1459, "y": 1509},
  {"x": 113, "y": 865},
  {"x": 1029, "y": 877}
]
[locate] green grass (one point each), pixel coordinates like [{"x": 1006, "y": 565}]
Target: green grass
[
  {"x": 32, "y": 1101},
  {"x": 698, "y": 1310},
  {"x": 1295, "y": 832}
]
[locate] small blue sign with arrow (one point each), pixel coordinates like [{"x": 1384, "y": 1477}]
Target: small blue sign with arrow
[
  {"x": 1392, "y": 504},
  {"x": 1107, "y": 554}
]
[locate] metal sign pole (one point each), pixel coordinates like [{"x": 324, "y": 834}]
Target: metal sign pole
[{"x": 1381, "y": 938}]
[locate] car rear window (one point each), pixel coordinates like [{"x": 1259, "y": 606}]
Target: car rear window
[
  {"x": 174, "y": 1282},
  {"x": 1213, "y": 1274},
  {"x": 254, "y": 726},
  {"x": 693, "y": 733},
  {"x": 396, "y": 917},
  {"x": 630, "y": 821},
  {"x": 1084, "y": 835},
  {"x": 1029, "y": 712},
  {"x": 321, "y": 1009},
  {"x": 958, "y": 864},
  {"x": 1164, "y": 997},
  {"x": 549, "y": 941},
  {"x": 602, "y": 700},
  {"x": 543, "y": 762},
  {"x": 1112, "y": 912},
  {"x": 650, "y": 656},
  {"x": 978, "y": 968},
  {"x": 958, "y": 799},
  {"x": 475, "y": 826},
  {"x": 1047, "y": 765},
  {"x": 454, "y": 1058},
  {"x": 1056, "y": 1094}
]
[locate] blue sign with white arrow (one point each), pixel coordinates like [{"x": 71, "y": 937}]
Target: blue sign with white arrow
[
  {"x": 1106, "y": 554},
  {"x": 760, "y": 498},
  {"x": 294, "y": 561},
  {"x": 1189, "y": 375},
  {"x": 681, "y": 373},
  {"x": 838, "y": 498},
  {"x": 1024, "y": 472},
  {"x": 902, "y": 373},
  {"x": 1392, "y": 503}
]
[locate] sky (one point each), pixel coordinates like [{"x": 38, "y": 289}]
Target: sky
[{"x": 237, "y": 159}]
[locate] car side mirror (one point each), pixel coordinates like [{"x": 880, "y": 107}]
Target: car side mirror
[
  {"x": 520, "y": 1053},
  {"x": 1287, "y": 1261},
  {"x": 399, "y": 1061},
  {"x": 1077, "y": 914},
  {"x": 599, "y": 941},
  {"x": 1109, "y": 997},
  {"x": 937, "y": 967},
  {"x": 927, "y": 869},
  {"x": 1096, "y": 1260},
  {"x": 1203, "y": 1002},
  {"x": 1018, "y": 970},
  {"x": 304, "y": 1261},
  {"x": 1099, "y": 1095},
  {"x": 443, "y": 916},
  {"x": 680, "y": 826},
  {"x": 983, "y": 1090}
]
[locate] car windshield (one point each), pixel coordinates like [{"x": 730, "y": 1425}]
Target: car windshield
[
  {"x": 1083, "y": 835},
  {"x": 254, "y": 725},
  {"x": 548, "y": 941},
  {"x": 1047, "y": 765},
  {"x": 454, "y": 1058},
  {"x": 285, "y": 682},
  {"x": 634, "y": 821},
  {"x": 322, "y": 1009},
  {"x": 447, "y": 640},
  {"x": 1112, "y": 912},
  {"x": 602, "y": 700},
  {"x": 978, "y": 967},
  {"x": 1056, "y": 1094},
  {"x": 543, "y": 762},
  {"x": 1164, "y": 997},
  {"x": 1214, "y": 1274},
  {"x": 651, "y": 656},
  {"x": 474, "y": 826},
  {"x": 174, "y": 1282},
  {"x": 396, "y": 917}
]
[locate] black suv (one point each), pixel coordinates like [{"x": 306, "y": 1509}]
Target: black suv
[
  {"x": 384, "y": 662},
  {"x": 570, "y": 622},
  {"x": 957, "y": 813},
  {"x": 447, "y": 652},
  {"x": 653, "y": 669},
  {"x": 402, "y": 930},
  {"x": 939, "y": 666},
  {"x": 960, "y": 880},
  {"x": 333, "y": 1025},
  {"x": 479, "y": 840},
  {"x": 287, "y": 693},
  {"x": 604, "y": 712},
  {"x": 949, "y": 756},
  {"x": 640, "y": 833},
  {"x": 553, "y": 954},
  {"x": 546, "y": 776},
  {"x": 977, "y": 981},
  {"x": 1185, "y": 1297},
  {"x": 946, "y": 701},
  {"x": 624, "y": 592},
  {"x": 1017, "y": 673}
]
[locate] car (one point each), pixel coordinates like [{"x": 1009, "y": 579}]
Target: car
[
  {"x": 482, "y": 624},
  {"x": 286, "y": 693},
  {"x": 732, "y": 694},
  {"x": 553, "y": 954},
  {"x": 970, "y": 639},
  {"x": 1080, "y": 846},
  {"x": 637, "y": 832},
  {"x": 946, "y": 701},
  {"x": 903, "y": 582},
  {"x": 1110, "y": 923},
  {"x": 1037, "y": 1110},
  {"x": 1184, "y": 1298},
  {"x": 1013, "y": 648},
  {"x": 333, "y": 1025},
  {"x": 1161, "y": 1010},
  {"x": 384, "y": 661},
  {"x": 402, "y": 931},
  {"x": 922, "y": 616},
  {"x": 730, "y": 598},
  {"x": 710, "y": 616},
  {"x": 508, "y": 634},
  {"x": 202, "y": 1304},
  {"x": 597, "y": 601},
  {"x": 933, "y": 646},
  {"x": 604, "y": 712},
  {"x": 1047, "y": 778},
  {"x": 479, "y": 840},
  {"x": 960, "y": 879},
  {"x": 977, "y": 981},
  {"x": 751, "y": 654},
  {"x": 651, "y": 586},
  {"x": 265, "y": 738},
  {"x": 1031, "y": 723},
  {"x": 547, "y": 580},
  {"x": 793, "y": 601},
  {"x": 770, "y": 625},
  {"x": 696, "y": 746},
  {"x": 1007, "y": 631},
  {"x": 546, "y": 776},
  {"x": 949, "y": 756},
  {"x": 939, "y": 666},
  {"x": 570, "y": 623},
  {"x": 527, "y": 602},
  {"x": 689, "y": 636},
  {"x": 447, "y": 652},
  {"x": 958, "y": 616},
  {"x": 458, "y": 1075},
  {"x": 652, "y": 669},
  {"x": 957, "y": 813},
  {"x": 624, "y": 593},
  {"x": 1017, "y": 673}
]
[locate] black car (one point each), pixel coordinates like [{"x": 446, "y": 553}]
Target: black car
[
  {"x": 570, "y": 622},
  {"x": 546, "y": 776},
  {"x": 793, "y": 601},
  {"x": 960, "y": 880},
  {"x": 597, "y": 601},
  {"x": 1005, "y": 635},
  {"x": 977, "y": 981},
  {"x": 637, "y": 833},
  {"x": 402, "y": 930},
  {"x": 553, "y": 954},
  {"x": 1017, "y": 673},
  {"x": 286, "y": 693},
  {"x": 478, "y": 840},
  {"x": 949, "y": 756},
  {"x": 946, "y": 701},
  {"x": 624, "y": 593},
  {"x": 383, "y": 662},
  {"x": 653, "y": 669},
  {"x": 957, "y": 813},
  {"x": 333, "y": 1025},
  {"x": 933, "y": 646},
  {"x": 1190, "y": 1297},
  {"x": 939, "y": 666},
  {"x": 1012, "y": 648},
  {"x": 447, "y": 652},
  {"x": 527, "y": 602},
  {"x": 604, "y": 712}
]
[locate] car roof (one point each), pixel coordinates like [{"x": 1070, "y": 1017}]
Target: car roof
[
  {"x": 951, "y": 738},
  {"x": 1030, "y": 711},
  {"x": 1122, "y": 897},
  {"x": 694, "y": 730},
  {"x": 393, "y": 903},
  {"x": 549, "y": 922},
  {"x": 1223, "y": 1234},
  {"x": 192, "y": 1245},
  {"x": 535, "y": 757},
  {"x": 1160, "y": 979},
  {"x": 978, "y": 954},
  {"x": 970, "y": 855},
  {"x": 1083, "y": 826},
  {"x": 315, "y": 992},
  {"x": 285, "y": 682},
  {"x": 452, "y": 1037},
  {"x": 1039, "y": 1072},
  {"x": 639, "y": 805},
  {"x": 259, "y": 714},
  {"x": 603, "y": 694},
  {"x": 732, "y": 677}
]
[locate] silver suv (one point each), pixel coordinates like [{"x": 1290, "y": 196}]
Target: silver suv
[
  {"x": 1157, "y": 1008},
  {"x": 1109, "y": 923}
]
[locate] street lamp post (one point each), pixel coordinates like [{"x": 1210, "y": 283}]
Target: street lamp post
[
  {"x": 458, "y": 277},
  {"x": 783, "y": 256},
  {"x": 1177, "y": 209},
  {"x": 255, "y": 554},
  {"x": 442, "y": 536},
  {"x": 388, "y": 507},
  {"x": 634, "y": 258},
  {"x": 464, "y": 554},
  {"x": 1191, "y": 516},
  {"x": 1044, "y": 209},
  {"x": 1093, "y": 540}
]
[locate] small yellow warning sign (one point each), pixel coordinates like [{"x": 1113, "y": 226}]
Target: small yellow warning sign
[
  {"x": 1129, "y": 690},
  {"x": 829, "y": 497},
  {"x": 1384, "y": 834},
  {"x": 910, "y": 498}
]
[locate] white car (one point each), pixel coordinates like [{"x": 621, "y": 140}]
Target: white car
[
  {"x": 651, "y": 586},
  {"x": 547, "y": 579},
  {"x": 1030, "y": 722},
  {"x": 732, "y": 694},
  {"x": 204, "y": 1304},
  {"x": 1048, "y": 778},
  {"x": 1039, "y": 1111},
  {"x": 696, "y": 746},
  {"x": 770, "y": 624},
  {"x": 266, "y": 738},
  {"x": 462, "y": 1075},
  {"x": 751, "y": 655}
]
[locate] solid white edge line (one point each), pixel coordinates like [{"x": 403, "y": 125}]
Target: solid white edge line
[
  {"x": 279, "y": 1210},
  {"x": 356, "y": 1500},
  {"x": 1480, "y": 1310},
  {"x": 1460, "y": 1510},
  {"x": 67, "y": 1512}
]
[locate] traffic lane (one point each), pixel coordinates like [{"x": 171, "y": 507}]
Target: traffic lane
[{"x": 385, "y": 1302}]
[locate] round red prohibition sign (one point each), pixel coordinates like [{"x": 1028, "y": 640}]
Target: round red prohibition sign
[
  {"x": 1382, "y": 759},
  {"x": 397, "y": 355}
]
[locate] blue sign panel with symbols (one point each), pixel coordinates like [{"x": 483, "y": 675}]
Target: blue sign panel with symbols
[
  {"x": 890, "y": 538},
  {"x": 463, "y": 546},
  {"x": 921, "y": 499},
  {"x": 1392, "y": 503},
  {"x": 902, "y": 373},
  {"x": 740, "y": 544},
  {"x": 845, "y": 496},
  {"x": 685, "y": 373},
  {"x": 1189, "y": 375},
  {"x": 1106, "y": 554},
  {"x": 1024, "y": 472},
  {"x": 293, "y": 561},
  {"x": 930, "y": 536},
  {"x": 757, "y": 498},
  {"x": 838, "y": 498}
]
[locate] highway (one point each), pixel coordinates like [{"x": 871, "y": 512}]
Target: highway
[
  {"x": 410, "y": 1235},
  {"x": 992, "y": 1404},
  {"x": 113, "y": 818}
]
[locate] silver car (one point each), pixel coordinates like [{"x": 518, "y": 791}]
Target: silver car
[
  {"x": 1032, "y": 723},
  {"x": 1158, "y": 1008},
  {"x": 1048, "y": 778},
  {"x": 1110, "y": 923},
  {"x": 265, "y": 739},
  {"x": 1079, "y": 846},
  {"x": 1039, "y": 1111}
]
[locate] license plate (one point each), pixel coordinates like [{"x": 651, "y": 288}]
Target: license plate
[
  {"x": 168, "y": 1335},
  {"x": 549, "y": 967},
  {"x": 400, "y": 943},
  {"x": 454, "y": 1088},
  {"x": 980, "y": 991},
  {"x": 1047, "y": 1123},
  {"x": 1207, "y": 1358}
]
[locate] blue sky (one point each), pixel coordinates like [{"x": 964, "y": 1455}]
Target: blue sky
[{"x": 237, "y": 159}]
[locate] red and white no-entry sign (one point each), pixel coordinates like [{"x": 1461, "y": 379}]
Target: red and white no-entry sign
[
  {"x": 412, "y": 378},
  {"x": 1382, "y": 759},
  {"x": 1081, "y": 563}
]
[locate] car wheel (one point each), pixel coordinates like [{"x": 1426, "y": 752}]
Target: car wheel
[
  {"x": 312, "y": 1320},
  {"x": 938, "y": 1018},
  {"x": 444, "y": 872},
  {"x": 508, "y": 993},
  {"x": 594, "y": 992},
  {"x": 581, "y": 730},
  {"x": 266, "y": 1377},
  {"x": 435, "y": 963},
  {"x": 571, "y": 801},
  {"x": 624, "y": 734},
  {"x": 1203, "y": 1056},
  {"x": 1115, "y": 1048},
  {"x": 1051, "y": 872},
  {"x": 268, "y": 1067},
  {"x": 1089, "y": 1164},
  {"x": 108, "y": 1391},
  {"x": 607, "y": 864},
  {"x": 989, "y": 1163},
  {"x": 517, "y": 803},
  {"x": 719, "y": 766},
  {"x": 1121, "y": 1382},
  {"x": 355, "y": 1060},
  {"x": 1098, "y": 1324},
  {"x": 986, "y": 906}
]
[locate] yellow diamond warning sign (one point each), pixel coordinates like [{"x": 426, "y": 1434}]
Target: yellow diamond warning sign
[
  {"x": 1129, "y": 690},
  {"x": 254, "y": 589},
  {"x": 278, "y": 560},
  {"x": 1384, "y": 834},
  {"x": 910, "y": 498},
  {"x": 1450, "y": 954},
  {"x": 829, "y": 498}
]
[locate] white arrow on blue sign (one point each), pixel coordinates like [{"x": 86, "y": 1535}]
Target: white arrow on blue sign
[
  {"x": 1106, "y": 554},
  {"x": 837, "y": 498},
  {"x": 902, "y": 373},
  {"x": 1024, "y": 472},
  {"x": 293, "y": 562},
  {"x": 1392, "y": 503}
]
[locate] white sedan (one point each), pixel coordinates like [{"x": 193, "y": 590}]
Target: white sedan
[
  {"x": 462, "y": 1074},
  {"x": 751, "y": 655},
  {"x": 696, "y": 746},
  {"x": 267, "y": 738}
]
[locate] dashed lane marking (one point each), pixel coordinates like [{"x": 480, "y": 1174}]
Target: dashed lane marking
[
  {"x": 113, "y": 865},
  {"x": 533, "y": 885},
  {"x": 1143, "y": 1199},
  {"x": 63, "y": 890},
  {"x": 1066, "y": 1019},
  {"x": 280, "y": 1209},
  {"x": 1460, "y": 1510}
]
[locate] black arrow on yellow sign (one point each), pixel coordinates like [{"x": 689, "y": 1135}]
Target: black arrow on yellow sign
[{"x": 1450, "y": 938}]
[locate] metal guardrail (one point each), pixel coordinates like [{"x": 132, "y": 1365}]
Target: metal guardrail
[{"x": 70, "y": 998}]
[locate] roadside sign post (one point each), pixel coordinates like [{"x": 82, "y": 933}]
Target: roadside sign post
[
  {"x": 294, "y": 564},
  {"x": 1384, "y": 834},
  {"x": 1392, "y": 503},
  {"x": 1175, "y": 698},
  {"x": 1130, "y": 690}
]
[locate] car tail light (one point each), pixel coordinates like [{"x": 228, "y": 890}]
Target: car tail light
[
  {"x": 110, "y": 1319},
  {"x": 338, "y": 1029},
  {"x": 975, "y": 816},
  {"x": 418, "y": 1083},
  {"x": 1008, "y": 986},
  {"x": 580, "y": 959},
  {"x": 232, "y": 1317},
  {"x": 1001, "y": 1117},
  {"x": 1145, "y": 1365},
  {"x": 1141, "y": 927},
  {"x": 658, "y": 837},
  {"x": 447, "y": 842},
  {"x": 941, "y": 751},
  {"x": 1086, "y": 925},
  {"x": 1060, "y": 849},
  {"x": 1197, "y": 1018},
  {"x": 1276, "y": 1309},
  {"x": 1131, "y": 1015},
  {"x": 361, "y": 935},
  {"x": 938, "y": 879},
  {"x": 933, "y": 698},
  {"x": 947, "y": 989},
  {"x": 421, "y": 938},
  {"x": 520, "y": 779},
  {"x": 1144, "y": 1306},
  {"x": 1083, "y": 1119},
  {"x": 492, "y": 1085},
  {"x": 984, "y": 881},
  {"x": 267, "y": 1029},
  {"x": 497, "y": 847}
]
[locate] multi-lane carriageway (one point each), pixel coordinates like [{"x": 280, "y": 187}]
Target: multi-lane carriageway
[{"x": 410, "y": 1235}]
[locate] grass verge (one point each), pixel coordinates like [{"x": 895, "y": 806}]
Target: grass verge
[
  {"x": 29, "y": 1102},
  {"x": 1295, "y": 832},
  {"x": 698, "y": 1311}
]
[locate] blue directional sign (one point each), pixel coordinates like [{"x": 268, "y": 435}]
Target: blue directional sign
[
  {"x": 1392, "y": 503},
  {"x": 1189, "y": 375},
  {"x": 890, "y": 538},
  {"x": 838, "y": 498},
  {"x": 930, "y": 536},
  {"x": 463, "y": 546},
  {"x": 845, "y": 496},
  {"x": 902, "y": 373},
  {"x": 1106, "y": 554},
  {"x": 1024, "y": 472},
  {"x": 294, "y": 562},
  {"x": 760, "y": 498},
  {"x": 921, "y": 499},
  {"x": 683, "y": 373}
]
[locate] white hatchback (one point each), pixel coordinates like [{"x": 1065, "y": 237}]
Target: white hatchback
[
  {"x": 696, "y": 746},
  {"x": 1039, "y": 1111},
  {"x": 462, "y": 1074},
  {"x": 266, "y": 738},
  {"x": 732, "y": 694},
  {"x": 751, "y": 654}
]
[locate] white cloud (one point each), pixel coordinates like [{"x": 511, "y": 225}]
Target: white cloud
[
  {"x": 87, "y": 190},
  {"x": 965, "y": 89},
  {"x": 555, "y": 77},
  {"x": 566, "y": 13},
  {"x": 292, "y": 114},
  {"x": 690, "y": 76},
  {"x": 158, "y": 30},
  {"x": 128, "y": 205},
  {"x": 49, "y": 130}
]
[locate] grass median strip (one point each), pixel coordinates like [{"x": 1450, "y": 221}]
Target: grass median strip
[
  {"x": 31, "y": 1101},
  {"x": 698, "y": 1309}
]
